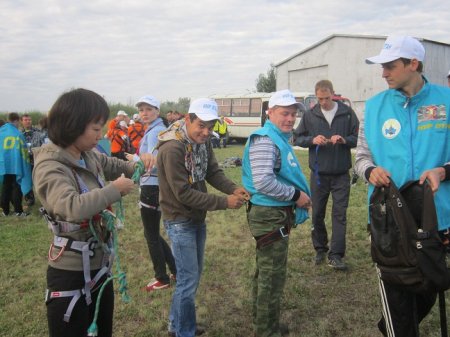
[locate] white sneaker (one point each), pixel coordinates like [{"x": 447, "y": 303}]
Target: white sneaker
[{"x": 22, "y": 214}]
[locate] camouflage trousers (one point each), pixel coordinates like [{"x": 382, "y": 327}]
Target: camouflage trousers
[{"x": 270, "y": 274}]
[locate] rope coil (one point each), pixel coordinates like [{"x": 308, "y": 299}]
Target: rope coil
[{"x": 111, "y": 219}]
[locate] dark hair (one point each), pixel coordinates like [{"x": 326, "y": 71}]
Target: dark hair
[
  {"x": 13, "y": 117},
  {"x": 408, "y": 61},
  {"x": 2, "y": 122},
  {"x": 43, "y": 122},
  {"x": 165, "y": 121},
  {"x": 24, "y": 115},
  {"x": 192, "y": 117},
  {"x": 72, "y": 112}
]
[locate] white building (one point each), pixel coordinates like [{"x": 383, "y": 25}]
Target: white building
[{"x": 341, "y": 59}]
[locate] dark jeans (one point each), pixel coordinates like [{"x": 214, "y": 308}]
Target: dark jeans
[
  {"x": 339, "y": 187},
  {"x": 82, "y": 314},
  {"x": 223, "y": 140},
  {"x": 159, "y": 250},
  {"x": 403, "y": 310},
  {"x": 11, "y": 193},
  {"x": 215, "y": 142}
]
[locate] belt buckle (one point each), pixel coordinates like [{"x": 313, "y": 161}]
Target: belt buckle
[{"x": 284, "y": 234}]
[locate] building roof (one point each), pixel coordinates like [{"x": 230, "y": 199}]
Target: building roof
[{"x": 377, "y": 37}]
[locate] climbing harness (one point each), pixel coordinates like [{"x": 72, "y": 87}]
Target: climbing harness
[{"x": 113, "y": 221}]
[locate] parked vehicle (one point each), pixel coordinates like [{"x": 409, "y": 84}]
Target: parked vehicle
[{"x": 246, "y": 113}]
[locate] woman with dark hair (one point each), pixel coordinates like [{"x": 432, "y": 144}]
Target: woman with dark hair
[{"x": 70, "y": 180}]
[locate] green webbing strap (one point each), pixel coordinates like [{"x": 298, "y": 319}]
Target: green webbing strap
[
  {"x": 110, "y": 220},
  {"x": 139, "y": 170}
]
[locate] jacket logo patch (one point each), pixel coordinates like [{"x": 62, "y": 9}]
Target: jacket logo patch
[
  {"x": 391, "y": 128},
  {"x": 432, "y": 113},
  {"x": 291, "y": 160}
]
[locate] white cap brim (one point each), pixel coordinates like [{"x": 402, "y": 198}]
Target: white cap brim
[
  {"x": 206, "y": 117},
  {"x": 141, "y": 102},
  {"x": 380, "y": 59}
]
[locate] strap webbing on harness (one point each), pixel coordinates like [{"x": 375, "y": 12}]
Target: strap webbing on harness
[
  {"x": 86, "y": 248},
  {"x": 75, "y": 294},
  {"x": 268, "y": 239}
]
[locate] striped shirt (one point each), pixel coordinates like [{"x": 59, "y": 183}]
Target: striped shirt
[
  {"x": 265, "y": 160},
  {"x": 363, "y": 157}
]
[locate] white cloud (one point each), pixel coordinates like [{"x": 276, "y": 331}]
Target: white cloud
[{"x": 173, "y": 48}]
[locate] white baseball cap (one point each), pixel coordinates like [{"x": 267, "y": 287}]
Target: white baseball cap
[
  {"x": 132, "y": 122},
  {"x": 150, "y": 100},
  {"x": 204, "y": 108},
  {"x": 121, "y": 113},
  {"x": 396, "y": 47},
  {"x": 282, "y": 98}
]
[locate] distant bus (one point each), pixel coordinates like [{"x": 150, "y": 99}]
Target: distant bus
[{"x": 246, "y": 113}]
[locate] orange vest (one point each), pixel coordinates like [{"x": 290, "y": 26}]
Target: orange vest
[
  {"x": 111, "y": 126},
  {"x": 118, "y": 144},
  {"x": 135, "y": 133}
]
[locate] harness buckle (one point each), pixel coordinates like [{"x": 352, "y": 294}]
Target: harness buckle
[{"x": 283, "y": 232}]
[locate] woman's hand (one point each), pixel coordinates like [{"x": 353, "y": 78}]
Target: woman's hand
[
  {"x": 149, "y": 160},
  {"x": 123, "y": 184}
]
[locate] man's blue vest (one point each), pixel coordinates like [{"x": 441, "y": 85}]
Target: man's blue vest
[{"x": 290, "y": 172}]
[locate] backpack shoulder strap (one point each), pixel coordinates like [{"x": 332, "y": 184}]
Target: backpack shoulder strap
[{"x": 420, "y": 201}]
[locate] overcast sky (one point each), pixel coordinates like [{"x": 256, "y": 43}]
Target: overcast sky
[{"x": 170, "y": 49}]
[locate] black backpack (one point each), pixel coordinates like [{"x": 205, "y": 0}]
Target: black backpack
[{"x": 405, "y": 242}]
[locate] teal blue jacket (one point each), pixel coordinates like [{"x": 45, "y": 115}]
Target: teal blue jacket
[
  {"x": 14, "y": 158},
  {"x": 407, "y": 136}
]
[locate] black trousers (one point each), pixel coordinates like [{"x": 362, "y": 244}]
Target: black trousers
[
  {"x": 160, "y": 252},
  {"x": 82, "y": 314},
  {"x": 403, "y": 310},
  {"x": 339, "y": 187},
  {"x": 11, "y": 193}
]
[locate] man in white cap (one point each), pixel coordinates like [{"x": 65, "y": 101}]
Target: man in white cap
[
  {"x": 185, "y": 163},
  {"x": 405, "y": 136},
  {"x": 279, "y": 200},
  {"x": 329, "y": 130}
]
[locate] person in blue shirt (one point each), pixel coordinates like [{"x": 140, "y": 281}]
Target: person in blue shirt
[
  {"x": 405, "y": 136},
  {"x": 159, "y": 249}
]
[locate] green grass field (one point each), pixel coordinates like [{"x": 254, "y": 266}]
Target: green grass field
[{"x": 318, "y": 301}]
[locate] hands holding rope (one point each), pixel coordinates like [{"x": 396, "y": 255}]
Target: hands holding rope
[{"x": 126, "y": 185}]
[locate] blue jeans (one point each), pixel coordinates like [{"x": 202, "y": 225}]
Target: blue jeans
[{"x": 188, "y": 247}]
